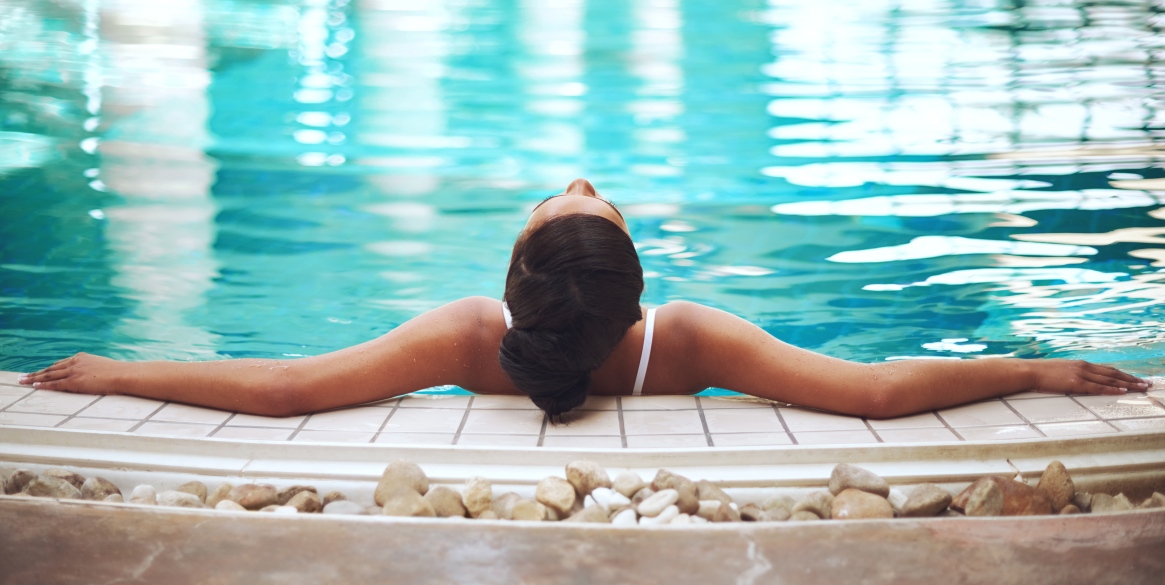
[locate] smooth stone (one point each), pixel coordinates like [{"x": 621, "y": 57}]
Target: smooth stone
[
  {"x": 556, "y": 492},
  {"x": 254, "y": 496},
  {"x": 1019, "y": 499},
  {"x": 306, "y": 501},
  {"x": 229, "y": 506},
  {"x": 846, "y": 476},
  {"x": 656, "y": 504},
  {"x": 585, "y": 476},
  {"x": 707, "y": 490},
  {"x": 47, "y": 486},
  {"x": 144, "y": 494},
  {"x": 195, "y": 488},
  {"x": 751, "y": 513},
  {"x": 284, "y": 495},
  {"x": 1104, "y": 503},
  {"x": 689, "y": 500},
  {"x": 779, "y": 501},
  {"x": 726, "y": 513},
  {"x": 220, "y": 493},
  {"x": 477, "y": 495},
  {"x": 530, "y": 511},
  {"x": 446, "y": 502},
  {"x": 1056, "y": 485},
  {"x": 985, "y": 498},
  {"x": 819, "y": 503},
  {"x": 487, "y": 515},
  {"x": 926, "y": 500},
  {"x": 18, "y": 480},
  {"x": 609, "y": 498},
  {"x": 897, "y": 499},
  {"x": 775, "y": 515},
  {"x": 98, "y": 488},
  {"x": 117, "y": 498},
  {"x": 627, "y": 517},
  {"x": 1069, "y": 509},
  {"x": 665, "y": 479},
  {"x": 74, "y": 478},
  {"x": 681, "y": 519},
  {"x": 591, "y": 514},
  {"x": 374, "y": 510},
  {"x": 284, "y": 510},
  {"x": 3, "y": 481},
  {"x": 803, "y": 516},
  {"x": 333, "y": 496},
  {"x": 663, "y": 517},
  {"x": 400, "y": 473},
  {"x": 345, "y": 508},
  {"x": 1157, "y": 500},
  {"x": 179, "y": 499},
  {"x": 949, "y": 513},
  {"x": 503, "y": 505},
  {"x": 642, "y": 494},
  {"x": 698, "y": 520},
  {"x": 708, "y": 508},
  {"x": 552, "y": 514},
  {"x": 855, "y": 504},
  {"x": 403, "y": 500},
  {"x": 1083, "y": 500},
  {"x": 627, "y": 483},
  {"x": 270, "y": 508}
]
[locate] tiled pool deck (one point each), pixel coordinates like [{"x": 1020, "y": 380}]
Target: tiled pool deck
[{"x": 644, "y": 422}]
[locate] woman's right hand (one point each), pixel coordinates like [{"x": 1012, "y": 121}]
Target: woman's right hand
[
  {"x": 83, "y": 373},
  {"x": 1080, "y": 377}
]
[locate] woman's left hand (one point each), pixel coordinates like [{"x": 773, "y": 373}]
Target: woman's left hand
[{"x": 1081, "y": 377}]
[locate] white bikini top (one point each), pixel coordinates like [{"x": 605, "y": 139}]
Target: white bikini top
[{"x": 644, "y": 356}]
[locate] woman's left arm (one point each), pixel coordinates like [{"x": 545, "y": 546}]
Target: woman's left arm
[{"x": 724, "y": 351}]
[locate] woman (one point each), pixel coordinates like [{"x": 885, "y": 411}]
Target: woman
[{"x": 572, "y": 326}]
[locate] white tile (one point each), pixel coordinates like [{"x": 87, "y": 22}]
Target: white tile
[
  {"x": 333, "y": 437},
  {"x": 1051, "y": 410},
  {"x": 586, "y": 422},
  {"x": 980, "y": 414},
  {"x": 127, "y": 407},
  {"x": 425, "y": 420},
  {"x": 1073, "y": 429},
  {"x": 564, "y": 442},
  {"x": 835, "y": 437},
  {"x": 659, "y": 403},
  {"x": 747, "y": 420},
  {"x": 662, "y": 422},
  {"x": 185, "y": 413},
  {"x": 99, "y": 424},
  {"x": 10, "y": 394},
  {"x": 1140, "y": 424},
  {"x": 50, "y": 402},
  {"x": 250, "y": 420},
  {"x": 503, "y": 401},
  {"x": 918, "y": 435},
  {"x": 414, "y": 438},
  {"x": 11, "y": 378},
  {"x": 504, "y": 422},
  {"x": 714, "y": 402},
  {"x": 361, "y": 419},
  {"x": 30, "y": 419},
  {"x": 473, "y": 440},
  {"x": 430, "y": 401},
  {"x": 801, "y": 420},
  {"x": 1003, "y": 433},
  {"x": 600, "y": 403},
  {"x": 917, "y": 421},
  {"x": 751, "y": 439},
  {"x": 167, "y": 429},
  {"x": 253, "y": 433},
  {"x": 665, "y": 441},
  {"x": 1131, "y": 405}
]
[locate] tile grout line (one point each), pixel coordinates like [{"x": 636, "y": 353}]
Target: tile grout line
[
  {"x": 785, "y": 426},
  {"x": 1090, "y": 411},
  {"x": 1024, "y": 418},
  {"x": 148, "y": 417},
  {"x": 222, "y": 424},
  {"x": 871, "y": 428},
  {"x": 383, "y": 424},
  {"x": 29, "y": 392},
  {"x": 299, "y": 428},
  {"x": 79, "y": 411},
  {"x": 464, "y": 418},
  {"x": 703, "y": 422},
  {"x": 622, "y": 426},
  {"x": 948, "y": 425}
]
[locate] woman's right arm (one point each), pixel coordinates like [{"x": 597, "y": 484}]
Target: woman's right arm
[{"x": 448, "y": 345}]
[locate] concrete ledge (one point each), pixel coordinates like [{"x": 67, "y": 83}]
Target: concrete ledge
[{"x": 78, "y": 542}]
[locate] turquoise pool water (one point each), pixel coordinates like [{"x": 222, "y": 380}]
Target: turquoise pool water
[{"x": 195, "y": 179}]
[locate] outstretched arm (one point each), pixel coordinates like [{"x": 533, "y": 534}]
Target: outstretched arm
[
  {"x": 729, "y": 352},
  {"x": 448, "y": 345}
]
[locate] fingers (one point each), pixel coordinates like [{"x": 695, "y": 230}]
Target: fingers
[
  {"x": 58, "y": 366},
  {"x": 1108, "y": 385},
  {"x": 1119, "y": 375}
]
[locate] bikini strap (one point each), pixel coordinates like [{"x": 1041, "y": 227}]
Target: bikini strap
[
  {"x": 645, "y": 355},
  {"x": 506, "y": 314}
]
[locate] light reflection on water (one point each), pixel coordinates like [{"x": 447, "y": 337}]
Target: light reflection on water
[{"x": 870, "y": 179}]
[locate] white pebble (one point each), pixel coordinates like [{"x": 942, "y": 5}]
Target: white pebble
[
  {"x": 285, "y": 510},
  {"x": 708, "y": 509},
  {"x": 699, "y": 520},
  {"x": 624, "y": 518},
  {"x": 681, "y": 519},
  {"x": 733, "y": 506},
  {"x": 658, "y": 501},
  {"x": 144, "y": 494},
  {"x": 897, "y": 498},
  {"x": 664, "y": 517},
  {"x": 589, "y": 501},
  {"x": 608, "y": 497},
  {"x": 229, "y": 505}
]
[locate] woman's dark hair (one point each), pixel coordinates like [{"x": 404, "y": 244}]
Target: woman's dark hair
[{"x": 573, "y": 291}]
